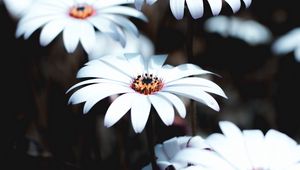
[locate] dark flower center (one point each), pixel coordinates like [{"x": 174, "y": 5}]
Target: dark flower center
[
  {"x": 81, "y": 11},
  {"x": 146, "y": 84}
]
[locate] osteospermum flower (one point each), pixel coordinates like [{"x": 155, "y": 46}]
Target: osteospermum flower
[
  {"x": 246, "y": 150},
  {"x": 78, "y": 20},
  {"x": 142, "y": 82},
  {"x": 105, "y": 45},
  {"x": 169, "y": 149},
  {"x": 196, "y": 7},
  {"x": 249, "y": 31},
  {"x": 288, "y": 43}
]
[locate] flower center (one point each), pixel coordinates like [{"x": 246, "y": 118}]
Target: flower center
[
  {"x": 146, "y": 84},
  {"x": 82, "y": 11}
]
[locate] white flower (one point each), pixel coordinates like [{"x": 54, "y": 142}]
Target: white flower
[
  {"x": 249, "y": 31},
  {"x": 142, "y": 82},
  {"x": 105, "y": 45},
  {"x": 169, "y": 149},
  {"x": 17, "y": 8},
  {"x": 77, "y": 19},
  {"x": 246, "y": 150},
  {"x": 196, "y": 7},
  {"x": 288, "y": 43}
]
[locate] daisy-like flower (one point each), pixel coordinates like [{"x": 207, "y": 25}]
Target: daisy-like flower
[
  {"x": 288, "y": 43},
  {"x": 245, "y": 150},
  {"x": 142, "y": 82},
  {"x": 105, "y": 45},
  {"x": 17, "y": 8},
  {"x": 196, "y": 7},
  {"x": 78, "y": 19},
  {"x": 168, "y": 150},
  {"x": 249, "y": 31}
]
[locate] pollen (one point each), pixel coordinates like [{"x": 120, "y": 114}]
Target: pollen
[
  {"x": 82, "y": 11},
  {"x": 147, "y": 84}
]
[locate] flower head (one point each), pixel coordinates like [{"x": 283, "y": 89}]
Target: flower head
[
  {"x": 196, "y": 7},
  {"x": 142, "y": 82},
  {"x": 249, "y": 31},
  {"x": 288, "y": 43},
  {"x": 77, "y": 19},
  {"x": 246, "y": 150}
]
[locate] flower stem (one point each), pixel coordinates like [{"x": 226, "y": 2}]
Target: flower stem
[
  {"x": 190, "y": 57},
  {"x": 150, "y": 131}
]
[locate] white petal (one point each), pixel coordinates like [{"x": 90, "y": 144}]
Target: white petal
[
  {"x": 140, "y": 112},
  {"x": 197, "y": 142},
  {"x": 216, "y": 6},
  {"x": 105, "y": 26},
  {"x": 71, "y": 36},
  {"x": 164, "y": 108},
  {"x": 177, "y": 8},
  {"x": 171, "y": 147},
  {"x": 137, "y": 62},
  {"x": 150, "y": 2},
  {"x": 195, "y": 94},
  {"x": 182, "y": 70},
  {"x": 254, "y": 141},
  {"x": 103, "y": 70},
  {"x": 234, "y": 4},
  {"x": 231, "y": 131},
  {"x": 287, "y": 43},
  {"x": 156, "y": 62},
  {"x": 176, "y": 101},
  {"x": 127, "y": 11},
  {"x": 297, "y": 54},
  {"x": 87, "y": 36},
  {"x": 204, "y": 84},
  {"x": 247, "y": 3},
  {"x": 51, "y": 30},
  {"x": 138, "y": 4},
  {"x": 195, "y": 7},
  {"x": 119, "y": 107},
  {"x": 160, "y": 153},
  {"x": 124, "y": 22}
]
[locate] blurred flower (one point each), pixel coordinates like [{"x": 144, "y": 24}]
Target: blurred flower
[
  {"x": 105, "y": 45},
  {"x": 288, "y": 43},
  {"x": 246, "y": 150},
  {"x": 167, "y": 152},
  {"x": 196, "y": 7},
  {"x": 17, "y": 8},
  {"x": 249, "y": 31},
  {"x": 142, "y": 81},
  {"x": 78, "y": 20}
]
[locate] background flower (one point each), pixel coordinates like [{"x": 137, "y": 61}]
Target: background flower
[
  {"x": 78, "y": 20},
  {"x": 142, "y": 81}
]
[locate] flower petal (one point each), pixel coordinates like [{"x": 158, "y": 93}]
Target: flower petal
[
  {"x": 195, "y": 7},
  {"x": 127, "y": 11},
  {"x": 87, "y": 36},
  {"x": 177, "y": 8},
  {"x": 171, "y": 147},
  {"x": 247, "y": 3},
  {"x": 176, "y": 101},
  {"x": 137, "y": 61},
  {"x": 71, "y": 36},
  {"x": 215, "y": 6},
  {"x": 51, "y": 30},
  {"x": 195, "y": 94},
  {"x": 155, "y": 62},
  {"x": 164, "y": 108},
  {"x": 124, "y": 22},
  {"x": 234, "y": 4},
  {"x": 119, "y": 107},
  {"x": 160, "y": 153},
  {"x": 138, "y": 4},
  {"x": 140, "y": 112}
]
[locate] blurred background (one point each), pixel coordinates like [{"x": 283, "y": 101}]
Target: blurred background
[{"x": 40, "y": 131}]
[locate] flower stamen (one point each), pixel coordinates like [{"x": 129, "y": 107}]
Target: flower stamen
[
  {"x": 146, "y": 84},
  {"x": 82, "y": 11}
]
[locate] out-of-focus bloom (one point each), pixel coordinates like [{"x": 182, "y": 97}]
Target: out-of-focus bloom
[
  {"x": 246, "y": 150},
  {"x": 249, "y": 31},
  {"x": 170, "y": 149},
  {"x": 78, "y": 20},
  {"x": 17, "y": 8},
  {"x": 196, "y": 7},
  {"x": 105, "y": 45},
  {"x": 289, "y": 42},
  {"x": 142, "y": 82}
]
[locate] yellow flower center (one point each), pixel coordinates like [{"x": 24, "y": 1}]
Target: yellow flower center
[
  {"x": 147, "y": 84},
  {"x": 82, "y": 11}
]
